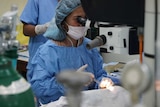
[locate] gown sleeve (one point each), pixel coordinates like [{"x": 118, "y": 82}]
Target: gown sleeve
[
  {"x": 99, "y": 71},
  {"x": 42, "y": 76}
]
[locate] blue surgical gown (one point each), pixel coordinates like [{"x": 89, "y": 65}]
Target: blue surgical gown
[
  {"x": 37, "y": 12},
  {"x": 51, "y": 59}
]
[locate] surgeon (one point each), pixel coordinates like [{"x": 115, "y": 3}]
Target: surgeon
[{"x": 65, "y": 50}]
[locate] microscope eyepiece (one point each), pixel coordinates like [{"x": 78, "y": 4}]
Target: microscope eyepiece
[
  {"x": 98, "y": 41},
  {"x": 81, "y": 20}
]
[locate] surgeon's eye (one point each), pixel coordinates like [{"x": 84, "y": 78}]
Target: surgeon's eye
[{"x": 81, "y": 20}]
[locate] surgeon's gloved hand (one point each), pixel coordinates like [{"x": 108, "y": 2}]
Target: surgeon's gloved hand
[
  {"x": 40, "y": 29},
  {"x": 82, "y": 70},
  {"x": 106, "y": 83}
]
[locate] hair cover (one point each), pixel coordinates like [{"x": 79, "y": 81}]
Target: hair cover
[{"x": 64, "y": 8}]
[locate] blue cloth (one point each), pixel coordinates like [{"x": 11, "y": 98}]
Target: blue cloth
[
  {"x": 51, "y": 59},
  {"x": 38, "y": 12},
  {"x": 64, "y": 8}
]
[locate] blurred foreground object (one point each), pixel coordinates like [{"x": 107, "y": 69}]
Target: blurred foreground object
[
  {"x": 136, "y": 78},
  {"x": 15, "y": 91},
  {"x": 118, "y": 97},
  {"x": 74, "y": 82}
]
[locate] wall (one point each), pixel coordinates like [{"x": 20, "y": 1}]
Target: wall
[{"x": 6, "y": 4}]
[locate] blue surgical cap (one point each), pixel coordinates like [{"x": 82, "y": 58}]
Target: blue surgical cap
[{"x": 64, "y": 8}]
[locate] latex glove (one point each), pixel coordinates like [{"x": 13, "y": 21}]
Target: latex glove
[
  {"x": 82, "y": 69},
  {"x": 106, "y": 83},
  {"x": 40, "y": 29}
]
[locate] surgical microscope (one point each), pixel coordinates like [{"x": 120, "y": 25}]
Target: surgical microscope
[{"x": 142, "y": 79}]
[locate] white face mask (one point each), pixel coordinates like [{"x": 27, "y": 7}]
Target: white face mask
[{"x": 76, "y": 32}]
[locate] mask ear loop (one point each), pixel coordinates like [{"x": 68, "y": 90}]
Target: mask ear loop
[
  {"x": 70, "y": 41},
  {"x": 78, "y": 42},
  {"x": 66, "y": 31}
]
